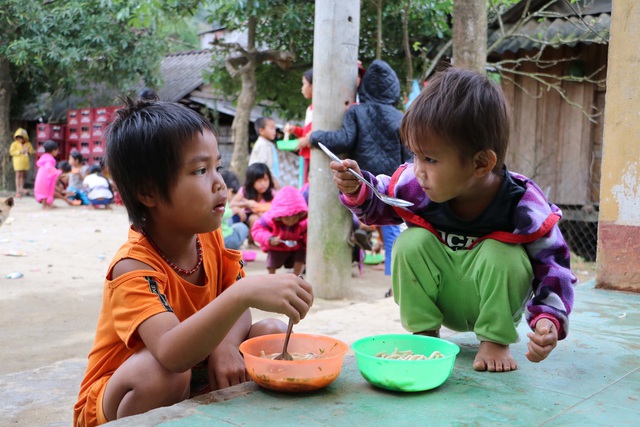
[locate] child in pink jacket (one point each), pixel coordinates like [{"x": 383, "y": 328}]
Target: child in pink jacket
[
  {"x": 281, "y": 232},
  {"x": 47, "y": 175}
]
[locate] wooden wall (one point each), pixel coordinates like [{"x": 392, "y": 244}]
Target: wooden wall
[{"x": 558, "y": 144}]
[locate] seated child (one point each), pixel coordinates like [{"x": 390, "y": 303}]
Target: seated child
[
  {"x": 76, "y": 176},
  {"x": 282, "y": 231},
  {"x": 97, "y": 188},
  {"x": 482, "y": 240},
  {"x": 44, "y": 188},
  {"x": 176, "y": 302},
  {"x": 254, "y": 198},
  {"x": 62, "y": 184},
  {"x": 234, "y": 233}
]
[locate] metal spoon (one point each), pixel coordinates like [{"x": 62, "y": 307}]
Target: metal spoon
[
  {"x": 393, "y": 201},
  {"x": 284, "y": 355},
  {"x": 289, "y": 243}
]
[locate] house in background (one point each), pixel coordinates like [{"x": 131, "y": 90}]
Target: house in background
[
  {"x": 183, "y": 81},
  {"x": 557, "y": 139}
]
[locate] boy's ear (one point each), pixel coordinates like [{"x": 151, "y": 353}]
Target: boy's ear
[
  {"x": 484, "y": 161},
  {"x": 147, "y": 198}
]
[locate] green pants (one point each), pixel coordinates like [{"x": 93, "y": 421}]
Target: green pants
[{"x": 483, "y": 289}]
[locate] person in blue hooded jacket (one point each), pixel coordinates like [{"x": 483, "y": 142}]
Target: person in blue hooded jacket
[{"x": 370, "y": 133}]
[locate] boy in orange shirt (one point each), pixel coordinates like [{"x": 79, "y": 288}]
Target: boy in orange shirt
[{"x": 175, "y": 300}]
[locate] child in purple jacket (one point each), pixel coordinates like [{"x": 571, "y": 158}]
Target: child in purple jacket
[
  {"x": 483, "y": 245},
  {"x": 281, "y": 232}
]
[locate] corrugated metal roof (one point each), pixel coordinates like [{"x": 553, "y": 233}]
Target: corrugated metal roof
[
  {"x": 558, "y": 23},
  {"x": 182, "y": 73}
]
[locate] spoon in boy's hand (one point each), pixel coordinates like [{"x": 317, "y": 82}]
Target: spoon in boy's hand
[{"x": 393, "y": 201}]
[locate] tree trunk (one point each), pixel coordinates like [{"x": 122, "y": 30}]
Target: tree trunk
[
  {"x": 240, "y": 125},
  {"x": 379, "y": 41},
  {"x": 335, "y": 51},
  {"x": 470, "y": 34},
  {"x": 407, "y": 46},
  {"x": 246, "y": 101},
  {"x": 6, "y": 90}
]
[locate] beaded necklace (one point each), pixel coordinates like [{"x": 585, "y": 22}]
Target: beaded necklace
[{"x": 171, "y": 264}]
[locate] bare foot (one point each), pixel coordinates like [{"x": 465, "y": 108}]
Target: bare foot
[{"x": 494, "y": 357}]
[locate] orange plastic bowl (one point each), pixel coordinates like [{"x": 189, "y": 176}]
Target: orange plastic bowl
[{"x": 294, "y": 375}]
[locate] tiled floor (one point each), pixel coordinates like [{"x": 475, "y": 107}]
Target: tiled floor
[{"x": 591, "y": 379}]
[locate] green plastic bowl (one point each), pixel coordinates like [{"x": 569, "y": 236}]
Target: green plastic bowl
[
  {"x": 404, "y": 375},
  {"x": 373, "y": 259},
  {"x": 288, "y": 145}
]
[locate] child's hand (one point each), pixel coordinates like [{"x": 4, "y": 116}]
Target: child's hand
[
  {"x": 226, "y": 367},
  {"x": 274, "y": 240},
  {"x": 304, "y": 142},
  {"x": 345, "y": 181},
  {"x": 286, "y": 294},
  {"x": 543, "y": 341}
]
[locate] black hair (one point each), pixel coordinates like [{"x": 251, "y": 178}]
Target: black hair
[
  {"x": 76, "y": 155},
  {"x": 94, "y": 168},
  {"x": 261, "y": 123},
  {"x": 308, "y": 76},
  {"x": 230, "y": 179},
  {"x": 256, "y": 171},
  {"x": 50, "y": 145},
  {"x": 148, "y": 94},
  {"x": 64, "y": 166},
  {"x": 463, "y": 108},
  {"x": 144, "y": 149}
]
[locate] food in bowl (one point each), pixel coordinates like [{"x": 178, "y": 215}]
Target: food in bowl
[
  {"x": 295, "y": 376},
  {"x": 408, "y": 355},
  {"x": 405, "y": 375}
]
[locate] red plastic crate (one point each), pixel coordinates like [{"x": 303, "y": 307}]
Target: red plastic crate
[
  {"x": 97, "y": 129},
  {"x": 97, "y": 147},
  {"x": 85, "y": 132},
  {"x": 103, "y": 114},
  {"x": 73, "y": 133},
  {"x": 46, "y": 131},
  {"x": 73, "y": 117},
  {"x": 71, "y": 145},
  {"x": 86, "y": 115},
  {"x": 95, "y": 159},
  {"x": 85, "y": 148},
  {"x": 40, "y": 146}
]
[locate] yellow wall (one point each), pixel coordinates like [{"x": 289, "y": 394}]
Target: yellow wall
[{"x": 619, "y": 227}]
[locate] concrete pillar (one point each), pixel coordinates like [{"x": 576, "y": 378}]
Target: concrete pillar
[
  {"x": 618, "y": 262},
  {"x": 335, "y": 55}
]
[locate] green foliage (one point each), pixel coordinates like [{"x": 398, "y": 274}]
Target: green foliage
[
  {"x": 285, "y": 25},
  {"x": 60, "y": 46}
]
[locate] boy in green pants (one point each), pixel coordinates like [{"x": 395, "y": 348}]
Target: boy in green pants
[{"x": 483, "y": 245}]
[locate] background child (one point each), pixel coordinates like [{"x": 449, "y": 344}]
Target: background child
[
  {"x": 97, "y": 188},
  {"x": 282, "y": 164},
  {"x": 174, "y": 297},
  {"x": 302, "y": 133},
  {"x": 254, "y": 198},
  {"x": 370, "y": 134},
  {"x": 234, "y": 233},
  {"x": 264, "y": 149},
  {"x": 44, "y": 189},
  {"x": 63, "y": 183},
  {"x": 76, "y": 176},
  {"x": 282, "y": 231},
  {"x": 20, "y": 151},
  {"x": 482, "y": 239}
]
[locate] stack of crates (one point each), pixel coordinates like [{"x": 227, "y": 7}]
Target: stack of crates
[
  {"x": 85, "y": 131},
  {"x": 54, "y": 132}
]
